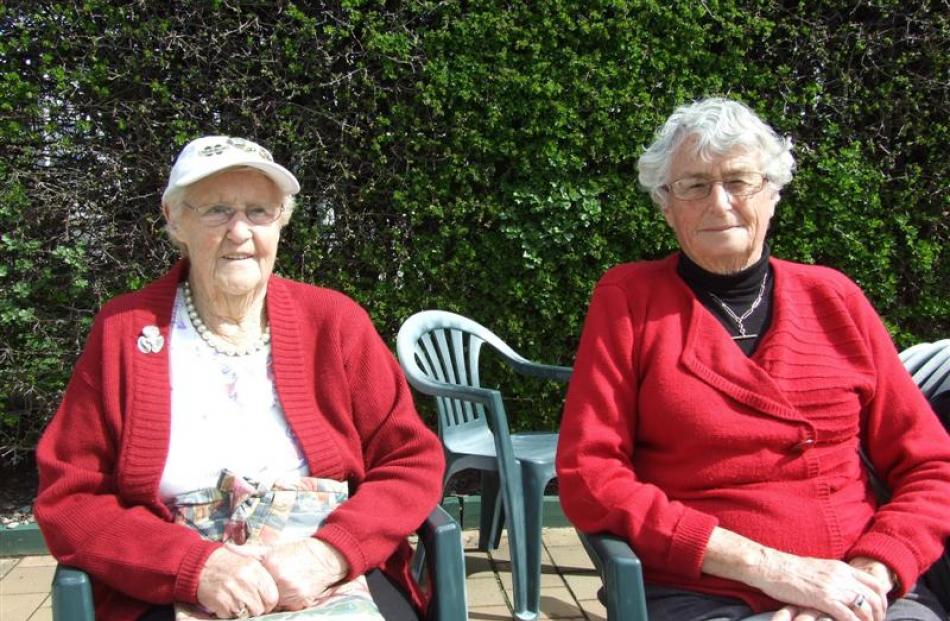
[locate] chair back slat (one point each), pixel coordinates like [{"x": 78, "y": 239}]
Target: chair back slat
[
  {"x": 474, "y": 350},
  {"x": 464, "y": 371},
  {"x": 930, "y": 373},
  {"x": 427, "y": 355},
  {"x": 424, "y": 354},
  {"x": 457, "y": 351},
  {"x": 451, "y": 356},
  {"x": 929, "y": 365},
  {"x": 938, "y": 383},
  {"x": 918, "y": 355}
]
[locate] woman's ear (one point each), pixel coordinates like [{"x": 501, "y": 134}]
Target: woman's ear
[
  {"x": 776, "y": 195},
  {"x": 665, "y": 210},
  {"x": 171, "y": 223}
]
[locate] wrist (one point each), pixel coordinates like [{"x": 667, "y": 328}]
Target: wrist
[
  {"x": 879, "y": 570},
  {"x": 763, "y": 567},
  {"x": 894, "y": 578},
  {"x": 732, "y": 556},
  {"x": 334, "y": 563}
]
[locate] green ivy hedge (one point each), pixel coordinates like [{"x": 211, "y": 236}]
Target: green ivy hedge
[{"x": 475, "y": 156}]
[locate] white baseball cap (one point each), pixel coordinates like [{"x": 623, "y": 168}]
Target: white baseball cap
[{"x": 208, "y": 155}]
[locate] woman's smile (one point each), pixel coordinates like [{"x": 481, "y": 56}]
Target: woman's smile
[{"x": 720, "y": 228}]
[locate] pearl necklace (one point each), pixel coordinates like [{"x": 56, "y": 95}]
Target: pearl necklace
[
  {"x": 214, "y": 341},
  {"x": 740, "y": 319}
]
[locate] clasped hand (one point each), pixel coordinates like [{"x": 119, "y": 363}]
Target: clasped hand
[
  {"x": 821, "y": 589},
  {"x": 253, "y": 580}
]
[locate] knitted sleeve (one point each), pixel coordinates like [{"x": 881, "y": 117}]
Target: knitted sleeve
[
  {"x": 403, "y": 459},
  {"x": 84, "y": 520},
  {"x": 598, "y": 486},
  {"x": 911, "y": 450}
]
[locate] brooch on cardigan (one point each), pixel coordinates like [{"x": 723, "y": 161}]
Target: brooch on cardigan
[{"x": 151, "y": 340}]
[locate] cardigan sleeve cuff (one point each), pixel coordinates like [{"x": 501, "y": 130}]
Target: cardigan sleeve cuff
[
  {"x": 893, "y": 553},
  {"x": 189, "y": 571},
  {"x": 690, "y": 539},
  {"x": 348, "y": 546}
]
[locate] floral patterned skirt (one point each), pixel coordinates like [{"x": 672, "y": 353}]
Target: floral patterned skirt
[{"x": 241, "y": 511}]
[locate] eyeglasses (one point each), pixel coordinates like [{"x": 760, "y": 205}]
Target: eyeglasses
[
  {"x": 697, "y": 188},
  {"x": 216, "y": 215}
]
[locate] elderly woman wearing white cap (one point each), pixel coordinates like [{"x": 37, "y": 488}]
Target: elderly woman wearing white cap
[{"x": 222, "y": 367}]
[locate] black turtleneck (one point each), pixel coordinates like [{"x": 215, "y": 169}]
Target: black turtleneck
[{"x": 737, "y": 290}]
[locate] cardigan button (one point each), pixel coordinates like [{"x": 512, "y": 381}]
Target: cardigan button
[{"x": 804, "y": 445}]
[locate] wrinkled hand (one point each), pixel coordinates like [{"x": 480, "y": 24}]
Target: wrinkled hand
[
  {"x": 797, "y": 613},
  {"x": 826, "y": 587},
  {"x": 232, "y": 584},
  {"x": 876, "y": 568},
  {"x": 302, "y": 570}
]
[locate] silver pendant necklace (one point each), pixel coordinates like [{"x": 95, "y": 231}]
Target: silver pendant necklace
[
  {"x": 214, "y": 341},
  {"x": 739, "y": 319}
]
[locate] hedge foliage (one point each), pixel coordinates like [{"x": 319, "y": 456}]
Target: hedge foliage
[{"x": 476, "y": 156}]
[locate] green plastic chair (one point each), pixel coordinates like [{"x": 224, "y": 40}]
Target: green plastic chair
[
  {"x": 622, "y": 574},
  {"x": 917, "y": 355},
  {"x": 620, "y": 568},
  {"x": 439, "y": 353},
  {"x": 931, "y": 371},
  {"x": 931, "y": 374},
  {"x": 440, "y": 537}
]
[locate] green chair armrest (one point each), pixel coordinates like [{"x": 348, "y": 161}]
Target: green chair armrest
[
  {"x": 72, "y": 595},
  {"x": 621, "y": 573},
  {"x": 436, "y": 388},
  {"x": 543, "y": 371},
  {"x": 441, "y": 537}
]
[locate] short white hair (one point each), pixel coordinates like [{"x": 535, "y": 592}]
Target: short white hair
[{"x": 718, "y": 126}]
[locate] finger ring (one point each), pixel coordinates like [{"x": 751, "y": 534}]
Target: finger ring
[
  {"x": 243, "y": 613},
  {"x": 858, "y": 601}
]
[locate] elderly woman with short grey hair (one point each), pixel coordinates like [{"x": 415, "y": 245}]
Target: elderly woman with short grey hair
[
  {"x": 222, "y": 380},
  {"x": 720, "y": 397}
]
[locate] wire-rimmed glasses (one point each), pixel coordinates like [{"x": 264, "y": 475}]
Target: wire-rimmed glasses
[
  {"x": 216, "y": 215},
  {"x": 698, "y": 188}
]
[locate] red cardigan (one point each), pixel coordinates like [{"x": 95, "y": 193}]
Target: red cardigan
[
  {"x": 669, "y": 430},
  {"x": 344, "y": 396}
]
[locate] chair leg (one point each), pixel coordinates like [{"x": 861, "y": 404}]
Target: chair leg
[
  {"x": 498, "y": 523},
  {"x": 512, "y": 494},
  {"x": 534, "y": 516},
  {"x": 491, "y": 517}
]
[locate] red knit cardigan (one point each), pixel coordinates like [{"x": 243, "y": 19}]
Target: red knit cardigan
[
  {"x": 669, "y": 430},
  {"x": 344, "y": 396}
]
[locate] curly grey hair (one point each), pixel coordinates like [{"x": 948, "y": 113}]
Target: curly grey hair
[{"x": 719, "y": 125}]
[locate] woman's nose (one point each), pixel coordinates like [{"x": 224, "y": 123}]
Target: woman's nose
[
  {"x": 720, "y": 197},
  {"x": 239, "y": 227}
]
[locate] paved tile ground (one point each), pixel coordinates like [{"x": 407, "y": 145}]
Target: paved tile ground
[
  {"x": 568, "y": 582},
  {"x": 24, "y": 588}
]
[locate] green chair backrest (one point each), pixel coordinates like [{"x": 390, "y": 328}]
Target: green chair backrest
[{"x": 445, "y": 347}]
